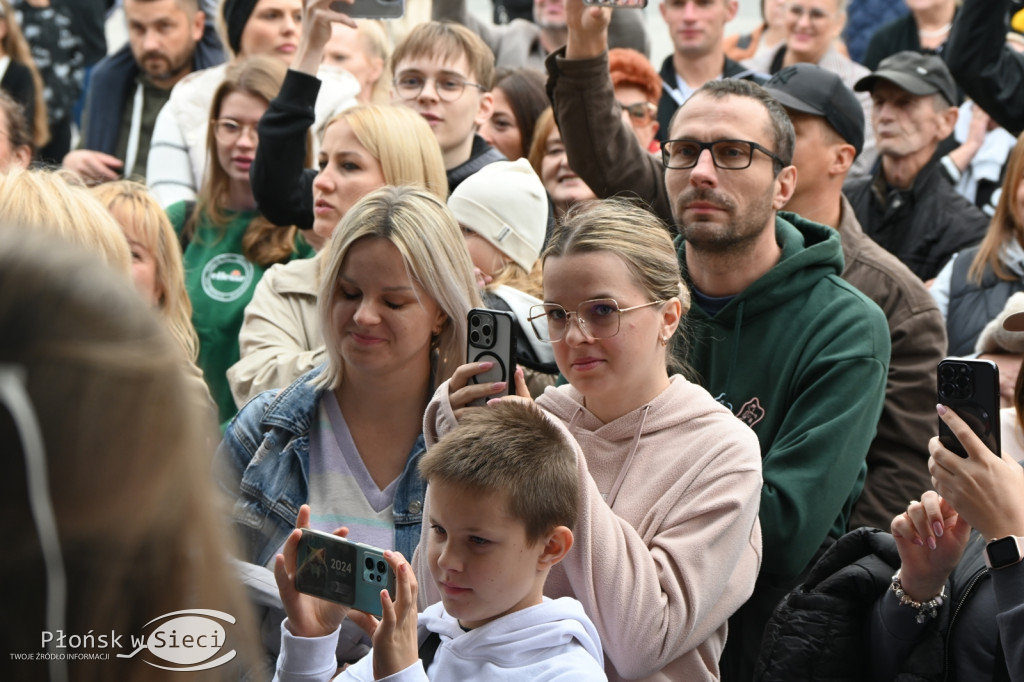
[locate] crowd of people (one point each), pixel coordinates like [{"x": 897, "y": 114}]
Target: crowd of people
[{"x": 238, "y": 260}]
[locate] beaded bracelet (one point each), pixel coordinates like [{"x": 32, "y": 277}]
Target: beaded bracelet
[{"x": 925, "y": 610}]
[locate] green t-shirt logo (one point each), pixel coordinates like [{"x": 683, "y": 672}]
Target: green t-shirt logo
[{"x": 226, "y": 277}]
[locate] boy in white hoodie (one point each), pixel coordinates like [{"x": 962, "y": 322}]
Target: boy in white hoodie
[{"x": 502, "y": 500}]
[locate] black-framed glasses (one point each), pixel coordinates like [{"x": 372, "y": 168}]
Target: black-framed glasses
[
  {"x": 598, "y": 318},
  {"x": 228, "y": 130},
  {"x": 641, "y": 111},
  {"x": 448, "y": 87},
  {"x": 684, "y": 153}
]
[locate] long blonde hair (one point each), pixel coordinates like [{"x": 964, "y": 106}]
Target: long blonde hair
[
  {"x": 16, "y": 47},
  {"x": 58, "y": 201},
  {"x": 425, "y": 233},
  {"x": 145, "y": 221},
  {"x": 1007, "y": 223},
  {"x": 128, "y": 455},
  {"x": 263, "y": 243}
]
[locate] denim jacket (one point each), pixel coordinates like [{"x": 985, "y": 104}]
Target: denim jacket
[{"x": 263, "y": 465}]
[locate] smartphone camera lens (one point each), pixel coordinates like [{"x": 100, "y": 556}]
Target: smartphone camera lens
[
  {"x": 381, "y": 567},
  {"x": 474, "y": 336},
  {"x": 369, "y": 564},
  {"x": 487, "y": 330}
]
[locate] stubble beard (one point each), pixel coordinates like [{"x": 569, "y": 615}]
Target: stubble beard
[{"x": 742, "y": 229}]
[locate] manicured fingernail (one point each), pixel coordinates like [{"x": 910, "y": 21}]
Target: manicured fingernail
[
  {"x": 941, "y": 409},
  {"x": 486, "y": 365},
  {"x": 494, "y": 401},
  {"x": 499, "y": 386},
  {"x": 937, "y": 527},
  {"x": 931, "y": 542},
  {"x": 917, "y": 541}
]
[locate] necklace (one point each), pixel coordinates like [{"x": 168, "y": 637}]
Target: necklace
[{"x": 941, "y": 31}]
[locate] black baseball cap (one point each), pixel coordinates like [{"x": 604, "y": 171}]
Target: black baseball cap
[
  {"x": 810, "y": 89},
  {"x": 918, "y": 74}
]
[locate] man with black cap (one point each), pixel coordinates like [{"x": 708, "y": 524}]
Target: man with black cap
[
  {"x": 908, "y": 206},
  {"x": 829, "y": 124}
]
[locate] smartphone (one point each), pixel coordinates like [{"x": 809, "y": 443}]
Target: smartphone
[
  {"x": 492, "y": 338},
  {"x": 619, "y": 4},
  {"x": 371, "y": 9},
  {"x": 342, "y": 571},
  {"x": 971, "y": 389}
]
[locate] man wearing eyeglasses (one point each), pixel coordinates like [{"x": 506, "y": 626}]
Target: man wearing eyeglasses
[{"x": 794, "y": 351}]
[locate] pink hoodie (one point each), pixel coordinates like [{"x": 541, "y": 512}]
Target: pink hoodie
[{"x": 668, "y": 544}]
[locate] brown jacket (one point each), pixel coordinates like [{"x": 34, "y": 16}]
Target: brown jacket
[{"x": 898, "y": 457}]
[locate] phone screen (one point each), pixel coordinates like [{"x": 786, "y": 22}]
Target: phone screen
[{"x": 326, "y": 569}]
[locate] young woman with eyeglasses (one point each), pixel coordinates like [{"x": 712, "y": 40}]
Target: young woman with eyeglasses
[
  {"x": 668, "y": 542},
  {"x": 227, "y": 242}
]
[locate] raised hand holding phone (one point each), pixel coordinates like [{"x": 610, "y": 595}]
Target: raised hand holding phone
[
  {"x": 986, "y": 490},
  {"x": 308, "y": 616}
]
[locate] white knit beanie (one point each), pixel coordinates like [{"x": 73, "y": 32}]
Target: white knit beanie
[{"x": 505, "y": 203}]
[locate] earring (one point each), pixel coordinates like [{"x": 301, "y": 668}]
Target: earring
[{"x": 664, "y": 340}]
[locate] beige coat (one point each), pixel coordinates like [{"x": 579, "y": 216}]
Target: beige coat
[{"x": 280, "y": 338}]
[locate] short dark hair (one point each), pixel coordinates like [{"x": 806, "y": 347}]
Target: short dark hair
[
  {"x": 512, "y": 447},
  {"x": 780, "y": 128}
]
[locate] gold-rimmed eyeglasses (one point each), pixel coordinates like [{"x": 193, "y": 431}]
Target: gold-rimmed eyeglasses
[{"x": 598, "y": 318}]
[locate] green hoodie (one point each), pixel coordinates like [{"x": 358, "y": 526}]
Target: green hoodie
[{"x": 801, "y": 357}]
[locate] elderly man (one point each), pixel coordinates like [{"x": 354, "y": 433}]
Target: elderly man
[
  {"x": 829, "y": 124},
  {"x": 167, "y": 40},
  {"x": 908, "y": 206}
]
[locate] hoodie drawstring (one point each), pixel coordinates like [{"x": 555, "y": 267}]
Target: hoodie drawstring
[{"x": 614, "y": 492}]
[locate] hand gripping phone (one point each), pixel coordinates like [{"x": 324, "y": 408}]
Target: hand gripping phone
[
  {"x": 342, "y": 571},
  {"x": 971, "y": 389},
  {"x": 492, "y": 338},
  {"x": 371, "y": 9}
]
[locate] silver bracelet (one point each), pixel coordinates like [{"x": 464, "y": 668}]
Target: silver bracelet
[{"x": 925, "y": 610}]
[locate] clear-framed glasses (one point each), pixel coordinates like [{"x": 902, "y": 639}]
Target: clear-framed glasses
[
  {"x": 449, "y": 87},
  {"x": 684, "y": 153},
  {"x": 641, "y": 111},
  {"x": 228, "y": 130},
  {"x": 598, "y": 318}
]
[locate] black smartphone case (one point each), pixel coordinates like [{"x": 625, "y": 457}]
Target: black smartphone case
[
  {"x": 971, "y": 389},
  {"x": 491, "y": 337}
]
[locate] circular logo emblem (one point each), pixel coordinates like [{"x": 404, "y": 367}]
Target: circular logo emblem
[{"x": 227, "y": 277}]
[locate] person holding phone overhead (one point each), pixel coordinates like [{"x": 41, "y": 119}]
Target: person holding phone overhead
[
  {"x": 346, "y": 437},
  {"x": 668, "y": 544}
]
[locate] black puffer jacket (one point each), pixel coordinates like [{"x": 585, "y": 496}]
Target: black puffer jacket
[{"x": 819, "y": 633}]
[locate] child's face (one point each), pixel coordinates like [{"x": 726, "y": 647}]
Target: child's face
[
  {"x": 479, "y": 557},
  {"x": 454, "y": 122}
]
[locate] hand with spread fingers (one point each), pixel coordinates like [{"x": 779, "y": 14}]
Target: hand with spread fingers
[
  {"x": 308, "y": 616},
  {"x": 988, "y": 491}
]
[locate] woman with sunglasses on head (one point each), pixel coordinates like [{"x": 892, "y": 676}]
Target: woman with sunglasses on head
[
  {"x": 668, "y": 545},
  {"x": 227, "y": 242}
]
